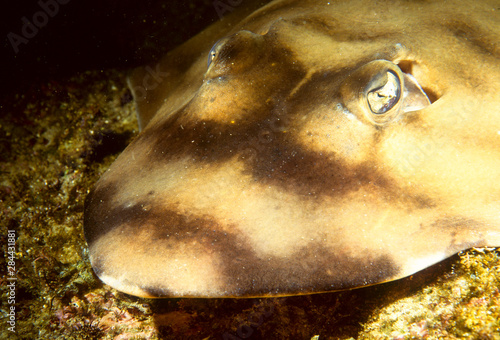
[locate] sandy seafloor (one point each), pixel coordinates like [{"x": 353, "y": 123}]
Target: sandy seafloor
[{"x": 58, "y": 136}]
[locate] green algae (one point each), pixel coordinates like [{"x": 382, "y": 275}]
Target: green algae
[
  {"x": 58, "y": 137},
  {"x": 49, "y": 140},
  {"x": 464, "y": 304}
]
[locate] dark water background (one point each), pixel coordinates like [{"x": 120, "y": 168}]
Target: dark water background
[{"x": 77, "y": 35}]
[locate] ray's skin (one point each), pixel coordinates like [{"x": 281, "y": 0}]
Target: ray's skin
[{"x": 327, "y": 146}]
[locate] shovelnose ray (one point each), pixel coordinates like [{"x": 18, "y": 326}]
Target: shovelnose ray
[{"x": 327, "y": 145}]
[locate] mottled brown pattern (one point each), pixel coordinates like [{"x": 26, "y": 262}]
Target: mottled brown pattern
[
  {"x": 267, "y": 174},
  {"x": 242, "y": 271}
]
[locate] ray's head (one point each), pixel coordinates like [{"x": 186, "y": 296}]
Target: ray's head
[{"x": 308, "y": 156}]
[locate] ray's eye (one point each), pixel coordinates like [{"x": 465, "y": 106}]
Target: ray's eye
[
  {"x": 214, "y": 51},
  {"x": 212, "y": 54},
  {"x": 234, "y": 54},
  {"x": 385, "y": 97},
  {"x": 379, "y": 93}
]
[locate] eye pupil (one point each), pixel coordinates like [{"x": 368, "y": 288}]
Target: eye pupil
[
  {"x": 212, "y": 54},
  {"x": 383, "y": 98}
]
